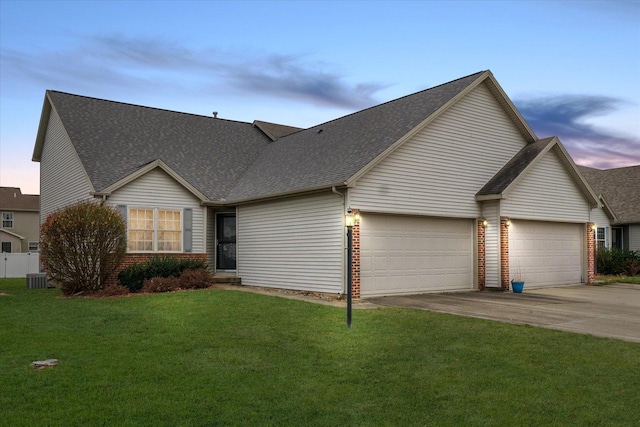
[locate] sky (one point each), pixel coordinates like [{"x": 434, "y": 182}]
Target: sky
[{"x": 572, "y": 68}]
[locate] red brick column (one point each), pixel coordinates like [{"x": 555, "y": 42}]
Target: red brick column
[
  {"x": 482, "y": 273},
  {"x": 130, "y": 259},
  {"x": 355, "y": 258},
  {"x": 504, "y": 253},
  {"x": 591, "y": 256}
]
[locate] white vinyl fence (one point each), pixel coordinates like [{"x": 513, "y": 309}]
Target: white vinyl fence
[{"x": 19, "y": 264}]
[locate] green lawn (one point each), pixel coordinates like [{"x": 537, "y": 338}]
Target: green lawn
[
  {"x": 216, "y": 357},
  {"x": 606, "y": 280}
]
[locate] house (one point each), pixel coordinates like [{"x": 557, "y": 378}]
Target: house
[
  {"x": 618, "y": 222},
  {"x": 20, "y": 228},
  {"x": 453, "y": 189}
]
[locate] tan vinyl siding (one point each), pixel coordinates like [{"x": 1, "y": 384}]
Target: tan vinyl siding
[
  {"x": 491, "y": 211},
  {"x": 27, "y": 225},
  {"x": 63, "y": 180},
  {"x": 634, "y": 237},
  {"x": 15, "y": 241},
  {"x": 599, "y": 217},
  {"x": 293, "y": 243},
  {"x": 439, "y": 170},
  {"x": 546, "y": 193},
  {"x": 156, "y": 189}
]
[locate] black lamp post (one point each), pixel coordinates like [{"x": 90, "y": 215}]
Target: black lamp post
[{"x": 349, "y": 221}]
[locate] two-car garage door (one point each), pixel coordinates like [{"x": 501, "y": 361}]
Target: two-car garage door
[{"x": 406, "y": 254}]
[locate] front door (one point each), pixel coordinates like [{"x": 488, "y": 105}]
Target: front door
[{"x": 226, "y": 241}]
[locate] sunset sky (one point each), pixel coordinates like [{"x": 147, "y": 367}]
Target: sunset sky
[{"x": 572, "y": 68}]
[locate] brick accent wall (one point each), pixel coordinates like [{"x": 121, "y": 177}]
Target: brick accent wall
[
  {"x": 129, "y": 259},
  {"x": 482, "y": 274},
  {"x": 504, "y": 254},
  {"x": 591, "y": 255},
  {"x": 355, "y": 258}
]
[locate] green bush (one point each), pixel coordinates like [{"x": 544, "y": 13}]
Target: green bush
[
  {"x": 133, "y": 276},
  {"x": 82, "y": 245},
  {"x": 617, "y": 261}
]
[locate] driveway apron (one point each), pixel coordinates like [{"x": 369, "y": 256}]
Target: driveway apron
[{"x": 611, "y": 311}]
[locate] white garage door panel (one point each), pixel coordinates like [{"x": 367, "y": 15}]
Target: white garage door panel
[
  {"x": 413, "y": 254},
  {"x": 547, "y": 253}
]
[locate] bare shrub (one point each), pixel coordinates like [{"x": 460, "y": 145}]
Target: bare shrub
[
  {"x": 82, "y": 245},
  {"x": 195, "y": 279},
  {"x": 160, "y": 284},
  {"x": 112, "y": 290}
]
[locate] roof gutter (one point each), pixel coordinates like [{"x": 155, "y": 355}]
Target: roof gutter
[{"x": 277, "y": 196}]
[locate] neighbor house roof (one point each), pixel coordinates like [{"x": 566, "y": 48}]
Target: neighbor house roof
[
  {"x": 4, "y": 230},
  {"x": 11, "y": 198},
  {"x": 224, "y": 161},
  {"x": 619, "y": 188}
]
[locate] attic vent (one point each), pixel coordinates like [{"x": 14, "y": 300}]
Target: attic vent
[
  {"x": 319, "y": 131},
  {"x": 215, "y": 114}
]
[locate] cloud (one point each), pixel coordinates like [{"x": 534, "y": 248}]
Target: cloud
[
  {"x": 282, "y": 75},
  {"x": 146, "y": 64},
  {"x": 566, "y": 116}
]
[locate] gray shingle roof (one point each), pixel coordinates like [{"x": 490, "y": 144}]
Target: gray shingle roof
[
  {"x": 235, "y": 161},
  {"x": 11, "y": 198},
  {"x": 114, "y": 139},
  {"x": 514, "y": 167},
  {"x": 331, "y": 153},
  {"x": 620, "y": 189},
  {"x": 275, "y": 130}
]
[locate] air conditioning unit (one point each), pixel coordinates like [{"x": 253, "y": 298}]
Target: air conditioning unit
[{"x": 37, "y": 281}]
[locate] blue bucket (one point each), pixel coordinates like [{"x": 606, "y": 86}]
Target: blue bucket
[{"x": 517, "y": 287}]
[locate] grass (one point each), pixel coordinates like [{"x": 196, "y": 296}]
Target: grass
[
  {"x": 217, "y": 357},
  {"x": 606, "y": 280}
]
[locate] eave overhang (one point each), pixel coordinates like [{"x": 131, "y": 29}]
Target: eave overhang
[{"x": 146, "y": 169}]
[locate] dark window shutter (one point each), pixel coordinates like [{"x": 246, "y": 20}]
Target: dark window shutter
[{"x": 187, "y": 225}]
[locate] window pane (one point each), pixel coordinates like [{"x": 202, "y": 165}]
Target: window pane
[
  {"x": 141, "y": 230},
  {"x": 169, "y": 230},
  {"x": 7, "y": 219}
]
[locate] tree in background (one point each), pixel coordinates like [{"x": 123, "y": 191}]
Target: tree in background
[{"x": 82, "y": 245}]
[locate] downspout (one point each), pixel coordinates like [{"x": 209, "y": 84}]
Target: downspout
[
  {"x": 334, "y": 190},
  {"x": 344, "y": 264}
]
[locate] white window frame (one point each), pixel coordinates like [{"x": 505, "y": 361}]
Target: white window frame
[
  {"x": 6, "y": 217},
  {"x": 603, "y": 239},
  {"x": 156, "y": 231}
]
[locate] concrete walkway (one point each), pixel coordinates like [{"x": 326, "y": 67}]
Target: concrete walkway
[{"x": 611, "y": 311}]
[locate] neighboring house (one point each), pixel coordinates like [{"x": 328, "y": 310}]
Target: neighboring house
[
  {"x": 618, "y": 222},
  {"x": 20, "y": 227},
  {"x": 453, "y": 189}
]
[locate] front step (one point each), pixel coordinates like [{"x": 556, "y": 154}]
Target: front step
[{"x": 226, "y": 280}]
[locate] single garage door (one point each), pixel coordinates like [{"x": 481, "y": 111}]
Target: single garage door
[
  {"x": 405, "y": 254},
  {"x": 547, "y": 253}
]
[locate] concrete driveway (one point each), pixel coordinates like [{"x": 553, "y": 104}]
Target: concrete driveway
[{"x": 607, "y": 311}]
